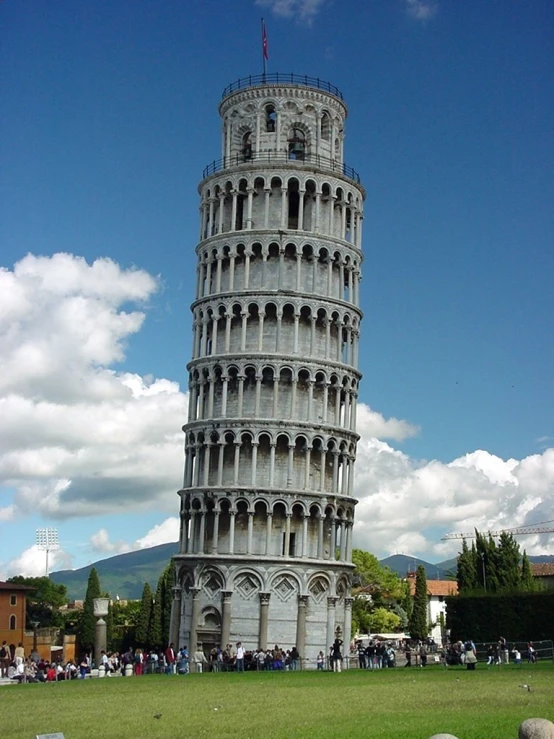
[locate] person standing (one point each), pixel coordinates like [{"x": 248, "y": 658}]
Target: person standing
[
  {"x": 337, "y": 655},
  {"x": 170, "y": 659},
  {"x": 19, "y": 655},
  {"x": 240, "y": 657},
  {"x": 4, "y": 659},
  {"x": 294, "y": 658}
]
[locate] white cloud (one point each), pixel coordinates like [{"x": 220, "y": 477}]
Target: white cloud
[
  {"x": 80, "y": 438},
  {"x": 32, "y": 563},
  {"x": 100, "y": 543},
  {"x": 371, "y": 423},
  {"x": 77, "y": 436},
  {"x": 421, "y": 10},
  {"x": 301, "y": 10},
  {"x": 163, "y": 533},
  {"x": 406, "y": 505}
]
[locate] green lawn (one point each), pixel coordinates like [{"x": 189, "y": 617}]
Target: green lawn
[{"x": 412, "y": 703}]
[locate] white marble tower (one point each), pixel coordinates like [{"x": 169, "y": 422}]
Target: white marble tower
[{"x": 266, "y": 506}]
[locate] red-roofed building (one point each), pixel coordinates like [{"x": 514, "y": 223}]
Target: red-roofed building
[
  {"x": 13, "y": 606},
  {"x": 544, "y": 573},
  {"x": 437, "y": 590}
]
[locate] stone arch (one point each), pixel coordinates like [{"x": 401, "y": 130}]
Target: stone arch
[
  {"x": 248, "y": 582},
  {"x": 286, "y": 585},
  {"x": 319, "y": 586}
]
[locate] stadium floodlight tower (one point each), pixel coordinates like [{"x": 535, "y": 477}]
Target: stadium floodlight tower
[
  {"x": 47, "y": 540},
  {"x": 267, "y": 504}
]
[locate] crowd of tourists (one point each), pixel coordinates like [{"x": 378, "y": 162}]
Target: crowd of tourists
[{"x": 376, "y": 654}]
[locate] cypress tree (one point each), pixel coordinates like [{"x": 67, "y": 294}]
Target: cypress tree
[
  {"x": 142, "y": 633},
  {"x": 508, "y": 563},
  {"x": 110, "y": 629},
  {"x": 407, "y": 600},
  {"x": 155, "y": 632},
  {"x": 527, "y": 581},
  {"x": 418, "y": 625},
  {"x": 466, "y": 573},
  {"x": 167, "y": 579},
  {"x": 87, "y": 622}
]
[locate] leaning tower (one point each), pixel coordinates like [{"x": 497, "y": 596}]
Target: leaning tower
[{"x": 267, "y": 503}]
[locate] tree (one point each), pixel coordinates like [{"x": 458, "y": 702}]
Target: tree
[
  {"x": 167, "y": 579},
  {"x": 383, "y": 621},
  {"x": 527, "y": 581},
  {"x": 466, "y": 574},
  {"x": 508, "y": 563},
  {"x": 142, "y": 633},
  {"x": 87, "y": 622},
  {"x": 361, "y": 613},
  {"x": 44, "y": 600},
  {"x": 418, "y": 621},
  {"x": 407, "y": 601},
  {"x": 383, "y": 584},
  {"x": 161, "y": 612}
]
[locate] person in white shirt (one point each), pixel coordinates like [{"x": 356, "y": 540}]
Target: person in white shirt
[{"x": 240, "y": 657}]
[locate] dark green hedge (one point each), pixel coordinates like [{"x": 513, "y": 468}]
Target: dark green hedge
[{"x": 485, "y": 618}]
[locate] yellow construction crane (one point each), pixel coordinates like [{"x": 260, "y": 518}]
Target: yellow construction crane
[{"x": 539, "y": 528}]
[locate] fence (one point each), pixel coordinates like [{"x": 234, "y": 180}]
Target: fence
[{"x": 279, "y": 157}]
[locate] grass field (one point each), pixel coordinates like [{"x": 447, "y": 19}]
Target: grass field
[{"x": 412, "y": 703}]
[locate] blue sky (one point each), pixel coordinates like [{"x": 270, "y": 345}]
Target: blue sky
[{"x": 110, "y": 116}]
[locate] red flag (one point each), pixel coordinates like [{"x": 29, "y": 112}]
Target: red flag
[{"x": 264, "y": 42}]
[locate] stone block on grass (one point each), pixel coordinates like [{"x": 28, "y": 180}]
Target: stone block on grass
[{"x": 536, "y": 728}]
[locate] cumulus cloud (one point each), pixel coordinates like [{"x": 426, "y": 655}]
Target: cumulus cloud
[
  {"x": 371, "y": 423},
  {"x": 421, "y": 10},
  {"x": 77, "y": 436},
  {"x": 163, "y": 533},
  {"x": 301, "y": 10},
  {"x": 407, "y": 505},
  {"x": 32, "y": 563}
]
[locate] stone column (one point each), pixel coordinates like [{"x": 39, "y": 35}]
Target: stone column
[
  {"x": 250, "y": 532},
  {"x": 99, "y": 640},
  {"x": 301, "y": 627},
  {"x": 331, "y": 608},
  {"x": 202, "y": 532},
  {"x": 195, "y": 592},
  {"x": 342, "y": 525},
  {"x": 175, "y": 616},
  {"x": 215, "y": 534},
  {"x": 264, "y": 619},
  {"x": 269, "y": 524},
  {"x": 305, "y": 535},
  {"x": 231, "y": 532},
  {"x": 287, "y": 534},
  {"x": 320, "y": 536},
  {"x": 226, "y": 617},
  {"x": 347, "y": 631}
]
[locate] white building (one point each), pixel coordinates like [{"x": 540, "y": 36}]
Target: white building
[
  {"x": 266, "y": 506},
  {"x": 437, "y": 591}
]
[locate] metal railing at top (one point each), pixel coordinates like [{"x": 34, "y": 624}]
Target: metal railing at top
[
  {"x": 274, "y": 157},
  {"x": 278, "y": 78}
]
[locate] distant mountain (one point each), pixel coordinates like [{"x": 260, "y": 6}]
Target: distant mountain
[
  {"x": 123, "y": 575},
  {"x": 402, "y": 564}
]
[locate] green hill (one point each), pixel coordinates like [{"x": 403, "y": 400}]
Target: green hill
[{"x": 123, "y": 575}]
